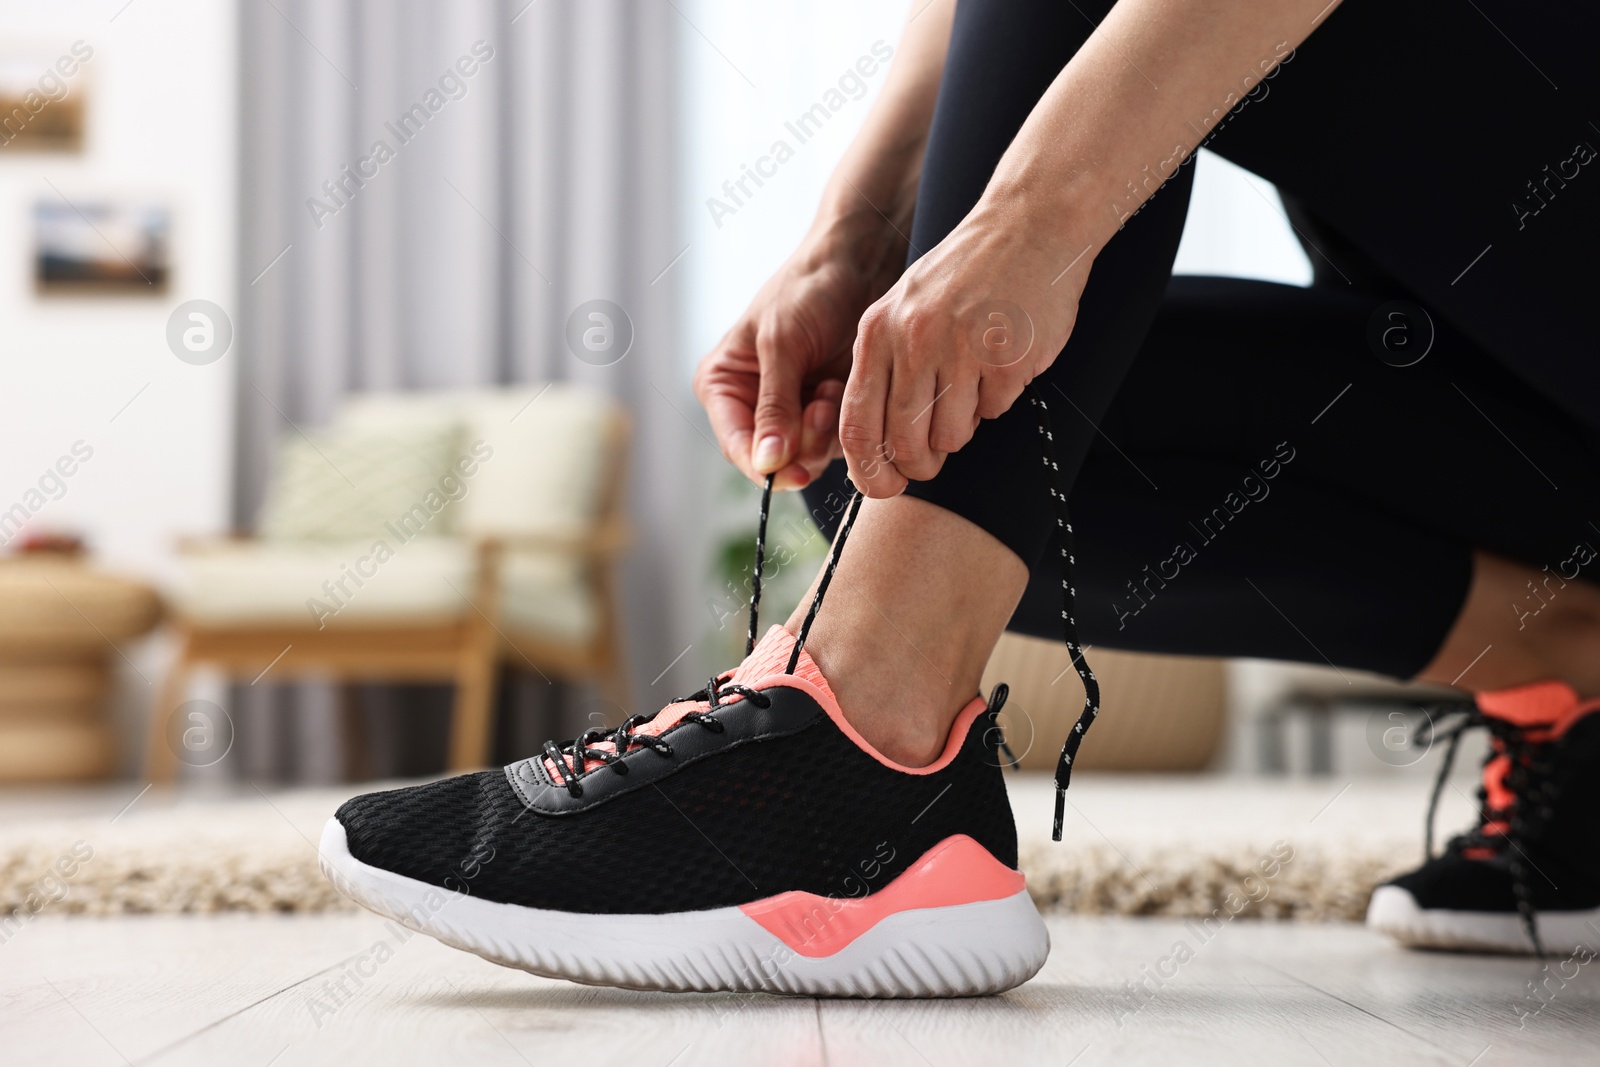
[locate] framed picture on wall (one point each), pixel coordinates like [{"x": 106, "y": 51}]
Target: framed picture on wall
[
  {"x": 100, "y": 248},
  {"x": 41, "y": 101}
]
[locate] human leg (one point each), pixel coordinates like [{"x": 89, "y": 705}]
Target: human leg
[{"x": 933, "y": 577}]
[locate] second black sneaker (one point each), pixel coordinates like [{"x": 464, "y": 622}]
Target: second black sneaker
[{"x": 1527, "y": 877}]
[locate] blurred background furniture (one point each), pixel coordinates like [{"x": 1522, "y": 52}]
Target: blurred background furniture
[
  {"x": 60, "y": 624},
  {"x": 1395, "y": 712},
  {"x": 1157, "y": 713},
  {"x": 421, "y": 536}
]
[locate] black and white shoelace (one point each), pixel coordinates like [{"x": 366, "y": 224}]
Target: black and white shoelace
[
  {"x": 1069, "y": 623},
  {"x": 1529, "y": 779},
  {"x": 572, "y": 758}
]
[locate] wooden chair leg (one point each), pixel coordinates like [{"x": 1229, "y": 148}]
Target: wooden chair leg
[
  {"x": 613, "y": 663},
  {"x": 160, "y": 762},
  {"x": 470, "y": 720},
  {"x": 353, "y": 734},
  {"x": 614, "y": 681}
]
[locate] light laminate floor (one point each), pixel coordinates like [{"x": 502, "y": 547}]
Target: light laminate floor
[{"x": 266, "y": 990}]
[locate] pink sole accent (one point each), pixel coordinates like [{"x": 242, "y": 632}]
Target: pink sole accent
[{"x": 956, "y": 871}]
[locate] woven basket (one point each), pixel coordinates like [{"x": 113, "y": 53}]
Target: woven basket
[{"x": 59, "y": 622}]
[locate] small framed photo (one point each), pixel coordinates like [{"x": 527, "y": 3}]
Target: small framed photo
[
  {"x": 99, "y": 248},
  {"x": 41, "y": 103}
]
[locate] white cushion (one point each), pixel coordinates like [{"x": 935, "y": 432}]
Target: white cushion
[
  {"x": 349, "y": 483},
  {"x": 546, "y": 451},
  {"x": 279, "y": 583},
  {"x": 546, "y": 596},
  {"x": 256, "y": 583},
  {"x": 519, "y": 460}
]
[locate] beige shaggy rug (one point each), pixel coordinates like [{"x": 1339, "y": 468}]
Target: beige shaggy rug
[{"x": 1171, "y": 846}]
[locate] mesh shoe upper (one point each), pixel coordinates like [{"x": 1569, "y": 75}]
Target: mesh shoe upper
[
  {"x": 1540, "y": 780},
  {"x": 809, "y": 811}
]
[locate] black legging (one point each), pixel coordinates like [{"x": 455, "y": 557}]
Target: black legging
[{"x": 1262, "y": 483}]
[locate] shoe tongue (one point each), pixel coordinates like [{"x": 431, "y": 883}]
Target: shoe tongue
[
  {"x": 1535, "y": 704},
  {"x": 770, "y": 656}
]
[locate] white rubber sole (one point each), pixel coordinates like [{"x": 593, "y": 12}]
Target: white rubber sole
[
  {"x": 961, "y": 950},
  {"x": 1394, "y": 911}
]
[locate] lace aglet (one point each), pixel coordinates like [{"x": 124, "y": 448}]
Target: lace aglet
[{"x": 1061, "y": 812}]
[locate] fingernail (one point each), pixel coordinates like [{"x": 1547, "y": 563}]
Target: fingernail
[{"x": 769, "y": 453}]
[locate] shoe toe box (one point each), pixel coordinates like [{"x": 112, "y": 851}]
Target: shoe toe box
[
  {"x": 441, "y": 833},
  {"x": 1452, "y": 883}
]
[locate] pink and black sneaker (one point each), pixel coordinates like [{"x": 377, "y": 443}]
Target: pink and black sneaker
[
  {"x": 1526, "y": 879},
  {"x": 745, "y": 838}
]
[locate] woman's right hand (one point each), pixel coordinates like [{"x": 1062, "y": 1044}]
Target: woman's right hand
[{"x": 773, "y": 385}]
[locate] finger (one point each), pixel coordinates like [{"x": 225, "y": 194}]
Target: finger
[
  {"x": 828, "y": 389},
  {"x": 908, "y": 418},
  {"x": 819, "y": 434},
  {"x": 997, "y": 391},
  {"x": 725, "y": 384},
  {"x": 733, "y": 421},
  {"x": 861, "y": 416},
  {"x": 794, "y": 476},
  {"x": 955, "y": 412},
  {"x": 777, "y": 416},
  {"x": 819, "y": 446}
]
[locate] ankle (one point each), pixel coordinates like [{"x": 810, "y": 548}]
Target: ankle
[
  {"x": 913, "y": 612},
  {"x": 1551, "y": 631},
  {"x": 1569, "y": 649},
  {"x": 905, "y": 715}
]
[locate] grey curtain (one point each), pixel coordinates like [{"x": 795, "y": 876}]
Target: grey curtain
[{"x": 526, "y": 167}]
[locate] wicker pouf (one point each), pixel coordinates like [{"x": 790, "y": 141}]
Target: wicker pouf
[{"x": 58, "y": 620}]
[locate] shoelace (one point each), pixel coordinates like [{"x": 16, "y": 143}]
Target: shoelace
[
  {"x": 1069, "y": 622},
  {"x": 1531, "y": 784},
  {"x": 624, "y": 738}
]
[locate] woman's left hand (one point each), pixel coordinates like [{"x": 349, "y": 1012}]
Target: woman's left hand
[{"x": 956, "y": 339}]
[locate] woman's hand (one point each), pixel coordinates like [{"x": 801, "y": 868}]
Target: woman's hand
[
  {"x": 956, "y": 339},
  {"x": 772, "y": 386},
  {"x": 990, "y": 306}
]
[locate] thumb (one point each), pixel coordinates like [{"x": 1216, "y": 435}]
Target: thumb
[{"x": 776, "y": 438}]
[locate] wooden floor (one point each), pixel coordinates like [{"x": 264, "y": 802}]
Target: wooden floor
[{"x": 259, "y": 991}]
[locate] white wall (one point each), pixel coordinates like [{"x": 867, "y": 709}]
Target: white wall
[
  {"x": 1236, "y": 227},
  {"x": 161, "y": 124},
  {"x": 750, "y": 67}
]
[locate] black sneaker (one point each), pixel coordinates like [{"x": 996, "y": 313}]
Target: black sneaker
[
  {"x": 1527, "y": 878},
  {"x": 745, "y": 838}
]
